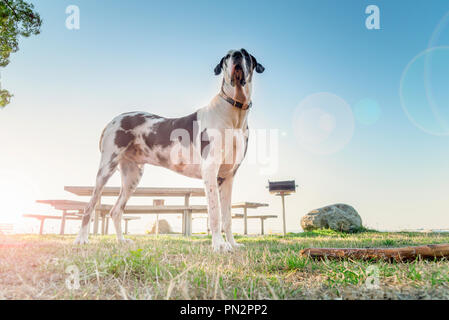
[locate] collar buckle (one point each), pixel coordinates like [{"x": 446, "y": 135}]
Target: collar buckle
[{"x": 235, "y": 103}]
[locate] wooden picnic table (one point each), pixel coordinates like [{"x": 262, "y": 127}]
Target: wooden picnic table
[
  {"x": 262, "y": 219},
  {"x": 6, "y": 228},
  {"x": 186, "y": 210},
  {"x": 245, "y": 206}
]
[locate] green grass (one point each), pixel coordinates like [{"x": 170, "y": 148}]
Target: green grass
[{"x": 173, "y": 267}]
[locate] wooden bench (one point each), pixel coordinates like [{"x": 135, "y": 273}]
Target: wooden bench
[
  {"x": 69, "y": 216},
  {"x": 245, "y": 206},
  {"x": 185, "y": 210},
  {"x": 6, "y": 228},
  {"x": 242, "y": 216},
  {"x": 71, "y": 208},
  {"x": 261, "y": 217}
]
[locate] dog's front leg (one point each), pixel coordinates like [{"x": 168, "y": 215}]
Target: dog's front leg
[
  {"x": 225, "y": 189},
  {"x": 209, "y": 173}
]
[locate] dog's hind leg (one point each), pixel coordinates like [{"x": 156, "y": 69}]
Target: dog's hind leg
[
  {"x": 131, "y": 173},
  {"x": 108, "y": 165}
]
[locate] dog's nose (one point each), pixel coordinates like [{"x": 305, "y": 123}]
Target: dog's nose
[{"x": 237, "y": 55}]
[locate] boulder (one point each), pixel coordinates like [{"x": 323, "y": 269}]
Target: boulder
[
  {"x": 338, "y": 217},
  {"x": 164, "y": 227}
]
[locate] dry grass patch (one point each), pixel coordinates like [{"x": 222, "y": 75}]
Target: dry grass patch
[{"x": 173, "y": 267}]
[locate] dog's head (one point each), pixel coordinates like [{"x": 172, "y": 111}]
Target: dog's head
[{"x": 238, "y": 65}]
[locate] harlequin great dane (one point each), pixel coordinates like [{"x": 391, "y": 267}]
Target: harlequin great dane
[{"x": 208, "y": 144}]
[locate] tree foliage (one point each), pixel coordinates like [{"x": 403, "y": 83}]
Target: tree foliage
[{"x": 17, "y": 18}]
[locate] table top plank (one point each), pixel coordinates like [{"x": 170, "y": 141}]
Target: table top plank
[
  {"x": 140, "y": 192},
  {"x": 68, "y": 217},
  {"x": 240, "y": 216},
  {"x": 79, "y": 205},
  {"x": 252, "y": 205}
]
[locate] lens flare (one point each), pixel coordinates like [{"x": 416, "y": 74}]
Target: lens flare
[
  {"x": 367, "y": 111},
  {"x": 17, "y": 196},
  {"x": 424, "y": 91},
  {"x": 323, "y": 123}
]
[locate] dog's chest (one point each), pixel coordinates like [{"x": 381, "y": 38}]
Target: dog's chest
[{"x": 234, "y": 153}]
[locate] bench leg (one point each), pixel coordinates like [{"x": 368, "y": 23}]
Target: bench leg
[
  {"x": 41, "y": 229},
  {"x": 187, "y": 223},
  {"x": 61, "y": 231},
  {"x": 184, "y": 223},
  {"x": 189, "y": 218},
  {"x": 183, "y": 218},
  {"x": 245, "y": 221},
  {"x": 107, "y": 226},
  {"x": 126, "y": 226},
  {"x": 284, "y": 229},
  {"x": 261, "y": 226},
  {"x": 103, "y": 224}
]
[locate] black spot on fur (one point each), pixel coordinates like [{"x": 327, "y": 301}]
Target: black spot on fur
[
  {"x": 249, "y": 61},
  {"x": 130, "y": 122},
  {"x": 244, "y": 153},
  {"x": 113, "y": 162},
  {"x": 205, "y": 144},
  {"x": 123, "y": 138},
  {"x": 152, "y": 116},
  {"x": 112, "y": 165},
  {"x": 161, "y": 131}
]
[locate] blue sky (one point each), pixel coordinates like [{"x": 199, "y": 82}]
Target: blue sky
[{"x": 158, "y": 56}]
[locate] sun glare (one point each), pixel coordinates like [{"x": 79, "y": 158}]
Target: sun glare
[{"x": 17, "y": 196}]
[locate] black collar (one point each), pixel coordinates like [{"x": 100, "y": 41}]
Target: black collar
[{"x": 235, "y": 103}]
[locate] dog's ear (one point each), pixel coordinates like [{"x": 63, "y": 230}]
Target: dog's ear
[
  {"x": 257, "y": 66},
  {"x": 260, "y": 68},
  {"x": 218, "y": 68}
]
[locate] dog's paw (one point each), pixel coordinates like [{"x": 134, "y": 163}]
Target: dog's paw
[
  {"x": 81, "y": 241},
  {"x": 222, "y": 246},
  {"x": 238, "y": 245}
]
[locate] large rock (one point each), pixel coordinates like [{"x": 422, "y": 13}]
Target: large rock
[
  {"x": 164, "y": 227},
  {"x": 338, "y": 217}
]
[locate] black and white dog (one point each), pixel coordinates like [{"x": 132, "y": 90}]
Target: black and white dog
[{"x": 209, "y": 144}]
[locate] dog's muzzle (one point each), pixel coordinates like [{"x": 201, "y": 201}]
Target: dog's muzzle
[{"x": 238, "y": 75}]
